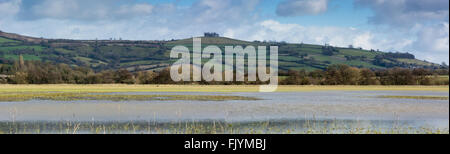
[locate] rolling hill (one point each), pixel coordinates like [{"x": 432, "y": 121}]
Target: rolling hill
[{"x": 154, "y": 55}]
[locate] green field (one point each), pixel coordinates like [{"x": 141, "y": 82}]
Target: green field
[
  {"x": 22, "y": 47},
  {"x": 103, "y": 55},
  {"x": 25, "y": 57},
  {"x": 5, "y": 41},
  {"x": 414, "y": 61}
]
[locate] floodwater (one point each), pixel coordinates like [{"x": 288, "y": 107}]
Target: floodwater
[{"x": 278, "y": 106}]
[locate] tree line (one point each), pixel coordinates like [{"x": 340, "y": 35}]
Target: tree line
[
  {"x": 37, "y": 72},
  {"x": 340, "y": 74}
]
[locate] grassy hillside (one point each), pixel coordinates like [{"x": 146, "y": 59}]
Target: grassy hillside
[
  {"x": 150, "y": 55},
  {"x": 212, "y": 40}
]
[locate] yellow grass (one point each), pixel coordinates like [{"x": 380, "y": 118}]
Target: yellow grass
[
  {"x": 417, "y": 97},
  {"x": 203, "y": 88},
  {"x": 68, "y": 96}
]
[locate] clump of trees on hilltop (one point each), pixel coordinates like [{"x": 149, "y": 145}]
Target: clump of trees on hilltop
[{"x": 36, "y": 72}]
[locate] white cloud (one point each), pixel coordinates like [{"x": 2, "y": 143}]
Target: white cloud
[
  {"x": 83, "y": 9},
  {"x": 364, "y": 40},
  {"x": 435, "y": 38},
  {"x": 276, "y": 31},
  {"x": 406, "y": 12},
  {"x": 426, "y": 37},
  {"x": 426, "y": 21},
  {"x": 433, "y": 42},
  {"x": 9, "y": 8},
  {"x": 336, "y": 36},
  {"x": 301, "y": 7},
  {"x": 86, "y": 19},
  {"x": 221, "y": 11}
]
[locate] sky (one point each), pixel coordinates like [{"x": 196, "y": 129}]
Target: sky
[{"x": 420, "y": 27}]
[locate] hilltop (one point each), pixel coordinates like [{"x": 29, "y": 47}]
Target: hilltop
[{"x": 154, "y": 55}]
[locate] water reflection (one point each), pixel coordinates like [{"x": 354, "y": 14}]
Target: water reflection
[{"x": 362, "y": 107}]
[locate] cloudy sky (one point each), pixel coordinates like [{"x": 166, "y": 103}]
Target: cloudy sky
[{"x": 416, "y": 26}]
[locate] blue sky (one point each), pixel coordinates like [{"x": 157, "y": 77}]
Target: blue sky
[{"x": 415, "y": 26}]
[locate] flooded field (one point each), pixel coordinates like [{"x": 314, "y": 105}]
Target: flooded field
[{"x": 324, "y": 111}]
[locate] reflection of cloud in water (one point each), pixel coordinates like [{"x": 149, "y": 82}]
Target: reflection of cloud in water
[{"x": 288, "y": 105}]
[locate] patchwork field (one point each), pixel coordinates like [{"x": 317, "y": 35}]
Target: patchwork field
[{"x": 151, "y": 55}]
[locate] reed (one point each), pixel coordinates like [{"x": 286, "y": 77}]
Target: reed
[{"x": 209, "y": 127}]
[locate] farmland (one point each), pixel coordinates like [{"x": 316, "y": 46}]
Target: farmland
[{"x": 154, "y": 55}]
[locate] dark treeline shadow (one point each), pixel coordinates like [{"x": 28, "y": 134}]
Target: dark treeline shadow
[{"x": 36, "y": 72}]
